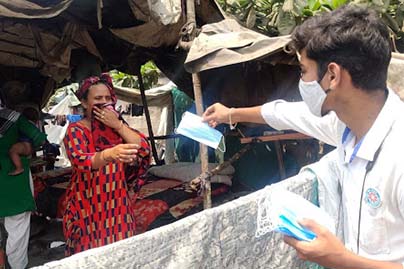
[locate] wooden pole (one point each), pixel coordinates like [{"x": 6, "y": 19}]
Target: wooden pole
[
  {"x": 2, "y": 259},
  {"x": 195, "y": 183},
  {"x": 203, "y": 149},
  {"x": 279, "y": 155},
  {"x": 188, "y": 34}
]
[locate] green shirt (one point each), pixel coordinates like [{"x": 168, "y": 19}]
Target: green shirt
[{"x": 15, "y": 192}]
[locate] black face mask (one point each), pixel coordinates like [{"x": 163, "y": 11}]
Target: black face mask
[{"x": 109, "y": 106}]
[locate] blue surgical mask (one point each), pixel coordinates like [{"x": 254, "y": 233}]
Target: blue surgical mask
[
  {"x": 193, "y": 127},
  {"x": 289, "y": 225},
  {"x": 280, "y": 210}
]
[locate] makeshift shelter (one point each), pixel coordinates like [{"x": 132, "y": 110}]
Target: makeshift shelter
[
  {"x": 224, "y": 236},
  {"x": 44, "y": 42},
  {"x": 211, "y": 238}
]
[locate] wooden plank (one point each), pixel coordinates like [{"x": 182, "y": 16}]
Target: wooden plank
[{"x": 277, "y": 137}]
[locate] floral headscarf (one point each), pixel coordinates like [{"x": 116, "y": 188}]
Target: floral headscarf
[{"x": 105, "y": 79}]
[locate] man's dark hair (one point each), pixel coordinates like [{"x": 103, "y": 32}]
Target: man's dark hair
[{"x": 351, "y": 36}]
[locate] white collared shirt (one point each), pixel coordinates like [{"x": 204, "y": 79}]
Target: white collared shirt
[{"x": 381, "y": 234}]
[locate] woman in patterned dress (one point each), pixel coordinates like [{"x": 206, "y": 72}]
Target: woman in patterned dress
[{"x": 99, "y": 147}]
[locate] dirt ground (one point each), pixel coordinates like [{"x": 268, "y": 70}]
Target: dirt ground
[{"x": 43, "y": 233}]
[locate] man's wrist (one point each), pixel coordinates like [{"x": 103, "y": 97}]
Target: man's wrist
[{"x": 232, "y": 120}]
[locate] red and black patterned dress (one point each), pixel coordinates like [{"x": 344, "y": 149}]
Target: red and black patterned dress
[{"x": 98, "y": 209}]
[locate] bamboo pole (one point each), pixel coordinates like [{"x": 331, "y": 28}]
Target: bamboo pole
[
  {"x": 203, "y": 149},
  {"x": 195, "y": 183},
  {"x": 188, "y": 34}
]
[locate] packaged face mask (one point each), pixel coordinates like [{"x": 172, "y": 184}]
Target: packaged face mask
[
  {"x": 193, "y": 127},
  {"x": 74, "y": 117},
  {"x": 281, "y": 210}
]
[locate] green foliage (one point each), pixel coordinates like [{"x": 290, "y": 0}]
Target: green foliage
[
  {"x": 150, "y": 75},
  {"x": 123, "y": 79},
  {"x": 280, "y": 17}
]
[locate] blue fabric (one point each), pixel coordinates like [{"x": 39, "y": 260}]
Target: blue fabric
[{"x": 74, "y": 117}]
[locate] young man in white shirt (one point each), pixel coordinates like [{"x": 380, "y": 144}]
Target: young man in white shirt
[{"x": 344, "y": 56}]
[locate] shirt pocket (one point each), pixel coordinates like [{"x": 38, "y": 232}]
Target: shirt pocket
[{"x": 373, "y": 236}]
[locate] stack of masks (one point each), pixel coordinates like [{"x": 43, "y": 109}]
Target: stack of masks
[{"x": 281, "y": 211}]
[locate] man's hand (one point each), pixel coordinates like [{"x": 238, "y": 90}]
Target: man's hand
[
  {"x": 329, "y": 252},
  {"x": 216, "y": 114},
  {"x": 326, "y": 250}
]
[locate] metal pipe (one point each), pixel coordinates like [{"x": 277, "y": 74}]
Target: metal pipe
[
  {"x": 147, "y": 115},
  {"x": 165, "y": 137}
]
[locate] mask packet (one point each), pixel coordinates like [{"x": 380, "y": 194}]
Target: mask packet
[
  {"x": 74, "y": 117},
  {"x": 289, "y": 225},
  {"x": 193, "y": 127},
  {"x": 281, "y": 210}
]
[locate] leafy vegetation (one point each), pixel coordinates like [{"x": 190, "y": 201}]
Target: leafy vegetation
[
  {"x": 280, "y": 17},
  {"x": 150, "y": 74}
]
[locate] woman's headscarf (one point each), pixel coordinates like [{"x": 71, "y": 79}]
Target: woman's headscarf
[
  {"x": 105, "y": 79},
  {"x": 104, "y": 136}
]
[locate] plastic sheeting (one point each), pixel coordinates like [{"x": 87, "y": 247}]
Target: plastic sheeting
[
  {"x": 24, "y": 9},
  {"x": 25, "y": 45},
  {"x": 165, "y": 11},
  {"x": 226, "y": 43},
  {"x": 151, "y": 34},
  {"x": 65, "y": 100},
  {"x": 222, "y": 237},
  {"x": 162, "y": 23}
]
